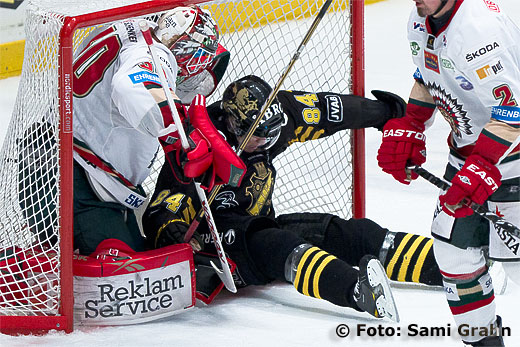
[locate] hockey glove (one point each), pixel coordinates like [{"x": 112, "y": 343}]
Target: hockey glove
[
  {"x": 198, "y": 158},
  {"x": 186, "y": 165},
  {"x": 172, "y": 232},
  {"x": 403, "y": 144},
  {"x": 227, "y": 167},
  {"x": 194, "y": 161},
  {"x": 164, "y": 221},
  {"x": 476, "y": 181},
  {"x": 395, "y": 104},
  {"x": 211, "y": 160}
]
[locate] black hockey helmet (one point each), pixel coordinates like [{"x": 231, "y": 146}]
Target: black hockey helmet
[{"x": 243, "y": 100}]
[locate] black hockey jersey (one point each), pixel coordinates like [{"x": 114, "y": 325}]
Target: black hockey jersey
[{"x": 307, "y": 116}]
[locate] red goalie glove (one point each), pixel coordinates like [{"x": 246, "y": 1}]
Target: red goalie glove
[
  {"x": 194, "y": 161},
  {"x": 227, "y": 167},
  {"x": 476, "y": 181},
  {"x": 210, "y": 158},
  {"x": 403, "y": 144},
  {"x": 199, "y": 157}
]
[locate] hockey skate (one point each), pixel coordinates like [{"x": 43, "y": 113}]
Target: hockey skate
[
  {"x": 372, "y": 292},
  {"x": 491, "y": 341}
]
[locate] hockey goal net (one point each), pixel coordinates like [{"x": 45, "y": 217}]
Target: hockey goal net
[{"x": 36, "y": 249}]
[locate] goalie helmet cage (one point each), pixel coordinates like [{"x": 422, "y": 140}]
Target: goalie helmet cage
[{"x": 36, "y": 224}]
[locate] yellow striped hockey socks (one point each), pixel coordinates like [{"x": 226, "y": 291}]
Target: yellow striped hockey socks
[
  {"x": 409, "y": 258},
  {"x": 321, "y": 275}
]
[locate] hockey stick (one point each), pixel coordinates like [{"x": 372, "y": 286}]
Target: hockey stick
[
  {"x": 224, "y": 274},
  {"x": 498, "y": 221},
  {"x": 243, "y": 143}
]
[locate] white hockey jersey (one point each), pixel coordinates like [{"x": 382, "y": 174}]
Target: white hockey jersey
[
  {"x": 119, "y": 110},
  {"x": 472, "y": 70}
]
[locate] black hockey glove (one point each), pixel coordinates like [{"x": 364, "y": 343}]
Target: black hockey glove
[
  {"x": 395, "y": 104},
  {"x": 173, "y": 231},
  {"x": 164, "y": 227}
]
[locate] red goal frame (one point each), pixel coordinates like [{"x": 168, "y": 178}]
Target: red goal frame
[{"x": 64, "y": 320}]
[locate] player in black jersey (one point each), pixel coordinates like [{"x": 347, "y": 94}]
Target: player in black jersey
[{"x": 314, "y": 251}]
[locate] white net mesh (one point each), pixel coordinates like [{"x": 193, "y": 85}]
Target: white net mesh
[
  {"x": 315, "y": 176},
  {"x": 312, "y": 176},
  {"x": 29, "y": 179}
]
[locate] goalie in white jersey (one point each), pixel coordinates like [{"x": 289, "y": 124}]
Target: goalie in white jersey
[
  {"x": 467, "y": 56},
  {"x": 121, "y": 117}
]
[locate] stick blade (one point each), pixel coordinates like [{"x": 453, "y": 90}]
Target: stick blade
[{"x": 225, "y": 278}]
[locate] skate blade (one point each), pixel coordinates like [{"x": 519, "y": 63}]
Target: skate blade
[{"x": 386, "y": 303}]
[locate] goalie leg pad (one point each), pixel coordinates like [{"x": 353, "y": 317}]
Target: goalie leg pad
[{"x": 130, "y": 288}]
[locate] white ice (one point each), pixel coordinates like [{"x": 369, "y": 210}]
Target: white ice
[{"x": 276, "y": 314}]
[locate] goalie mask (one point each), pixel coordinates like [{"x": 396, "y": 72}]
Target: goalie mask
[
  {"x": 242, "y": 101},
  {"x": 192, "y": 36}
]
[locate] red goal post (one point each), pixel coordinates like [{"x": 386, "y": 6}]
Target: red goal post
[{"x": 332, "y": 61}]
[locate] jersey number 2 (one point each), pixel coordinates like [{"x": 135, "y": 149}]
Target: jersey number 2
[{"x": 505, "y": 95}]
